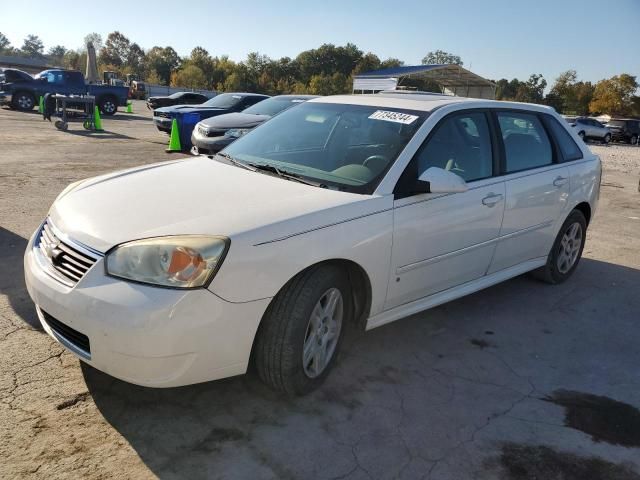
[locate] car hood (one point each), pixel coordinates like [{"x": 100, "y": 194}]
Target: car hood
[
  {"x": 234, "y": 120},
  {"x": 196, "y": 196},
  {"x": 190, "y": 109}
]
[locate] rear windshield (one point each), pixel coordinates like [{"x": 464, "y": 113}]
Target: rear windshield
[
  {"x": 224, "y": 100},
  {"x": 346, "y": 147},
  {"x": 617, "y": 123}
]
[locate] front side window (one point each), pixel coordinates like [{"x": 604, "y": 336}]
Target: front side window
[
  {"x": 569, "y": 148},
  {"x": 461, "y": 144},
  {"x": 347, "y": 147},
  {"x": 526, "y": 143}
]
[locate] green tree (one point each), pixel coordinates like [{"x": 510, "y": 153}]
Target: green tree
[
  {"x": 163, "y": 61},
  {"x": 440, "y": 57},
  {"x": 95, "y": 39},
  {"x": 115, "y": 50},
  {"x": 531, "y": 91},
  {"x": 56, "y": 54},
  {"x": 32, "y": 46},
  {"x": 5, "y": 44},
  {"x": 189, "y": 76},
  {"x": 570, "y": 96},
  {"x": 136, "y": 60},
  {"x": 615, "y": 95}
]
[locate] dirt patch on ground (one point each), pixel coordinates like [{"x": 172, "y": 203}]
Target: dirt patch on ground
[
  {"x": 527, "y": 462},
  {"x": 605, "y": 419}
]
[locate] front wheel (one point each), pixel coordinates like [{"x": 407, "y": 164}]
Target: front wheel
[
  {"x": 300, "y": 334},
  {"x": 566, "y": 251},
  {"x": 633, "y": 140},
  {"x": 607, "y": 138},
  {"x": 24, "y": 101},
  {"x": 582, "y": 136},
  {"x": 108, "y": 105}
]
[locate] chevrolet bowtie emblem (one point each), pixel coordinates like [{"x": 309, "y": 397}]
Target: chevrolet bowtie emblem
[{"x": 53, "y": 251}]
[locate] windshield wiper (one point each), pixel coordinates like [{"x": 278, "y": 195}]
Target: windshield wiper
[
  {"x": 285, "y": 174},
  {"x": 236, "y": 162}
]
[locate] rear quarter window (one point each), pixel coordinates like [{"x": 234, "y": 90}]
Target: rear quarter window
[
  {"x": 568, "y": 147},
  {"x": 525, "y": 141}
]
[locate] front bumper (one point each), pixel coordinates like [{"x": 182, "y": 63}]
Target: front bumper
[
  {"x": 5, "y": 98},
  {"x": 145, "y": 335},
  {"x": 163, "y": 123}
]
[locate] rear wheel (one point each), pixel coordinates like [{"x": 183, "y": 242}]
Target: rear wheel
[
  {"x": 24, "y": 101},
  {"x": 300, "y": 334},
  {"x": 607, "y": 138},
  {"x": 582, "y": 136},
  {"x": 633, "y": 140},
  {"x": 566, "y": 251}
]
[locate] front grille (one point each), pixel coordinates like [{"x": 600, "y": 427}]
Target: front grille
[
  {"x": 65, "y": 259},
  {"x": 74, "y": 337},
  {"x": 161, "y": 114}
]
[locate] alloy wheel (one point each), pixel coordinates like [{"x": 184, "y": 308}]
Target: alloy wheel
[
  {"x": 25, "y": 102},
  {"x": 323, "y": 332},
  {"x": 569, "y": 248}
]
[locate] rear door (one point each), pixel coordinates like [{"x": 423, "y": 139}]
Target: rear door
[
  {"x": 444, "y": 240},
  {"x": 537, "y": 188}
]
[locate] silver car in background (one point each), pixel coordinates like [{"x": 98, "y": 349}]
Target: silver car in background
[{"x": 590, "y": 129}]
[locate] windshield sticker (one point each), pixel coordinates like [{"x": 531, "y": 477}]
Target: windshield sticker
[
  {"x": 236, "y": 96},
  {"x": 297, "y": 100},
  {"x": 396, "y": 117}
]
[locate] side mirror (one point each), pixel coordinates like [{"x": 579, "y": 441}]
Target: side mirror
[{"x": 438, "y": 180}]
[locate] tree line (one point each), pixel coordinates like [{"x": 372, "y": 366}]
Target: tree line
[{"x": 325, "y": 70}]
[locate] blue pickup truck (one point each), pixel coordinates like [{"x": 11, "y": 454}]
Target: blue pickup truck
[{"x": 21, "y": 91}]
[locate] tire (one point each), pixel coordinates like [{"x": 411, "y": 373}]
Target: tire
[
  {"x": 288, "y": 329},
  {"x": 606, "y": 139},
  {"x": 556, "y": 270},
  {"x": 582, "y": 136},
  {"x": 23, "y": 101},
  {"x": 108, "y": 105},
  {"x": 633, "y": 140}
]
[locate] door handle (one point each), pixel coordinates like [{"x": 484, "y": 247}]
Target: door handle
[
  {"x": 491, "y": 199},
  {"x": 560, "y": 181}
]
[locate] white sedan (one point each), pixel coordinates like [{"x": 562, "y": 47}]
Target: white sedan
[{"x": 349, "y": 209}]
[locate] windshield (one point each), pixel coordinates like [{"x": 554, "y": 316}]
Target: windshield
[
  {"x": 346, "y": 147},
  {"x": 616, "y": 123},
  {"x": 224, "y": 100},
  {"x": 272, "y": 106}
]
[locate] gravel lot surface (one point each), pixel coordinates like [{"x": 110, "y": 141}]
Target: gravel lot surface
[{"x": 519, "y": 381}]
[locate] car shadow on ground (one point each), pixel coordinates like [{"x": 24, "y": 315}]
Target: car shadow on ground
[
  {"x": 408, "y": 376},
  {"x": 12, "y": 284}
]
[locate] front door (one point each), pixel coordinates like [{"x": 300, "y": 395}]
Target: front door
[{"x": 444, "y": 240}]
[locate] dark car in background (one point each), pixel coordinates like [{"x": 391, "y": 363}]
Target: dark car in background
[
  {"x": 178, "y": 98},
  {"x": 218, "y": 105},
  {"x": 213, "y": 134},
  {"x": 22, "y": 92},
  {"x": 624, "y": 130}
]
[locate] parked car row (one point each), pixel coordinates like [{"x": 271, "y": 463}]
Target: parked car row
[
  {"x": 346, "y": 210},
  {"x": 221, "y": 119},
  {"x": 21, "y": 91},
  {"x": 618, "y": 130}
]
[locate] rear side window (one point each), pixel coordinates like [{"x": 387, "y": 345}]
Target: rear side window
[
  {"x": 569, "y": 148},
  {"x": 460, "y": 144},
  {"x": 526, "y": 143}
]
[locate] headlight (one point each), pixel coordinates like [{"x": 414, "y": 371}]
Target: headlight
[
  {"x": 237, "y": 132},
  {"x": 188, "y": 261}
]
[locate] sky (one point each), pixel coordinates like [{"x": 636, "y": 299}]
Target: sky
[{"x": 495, "y": 38}]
